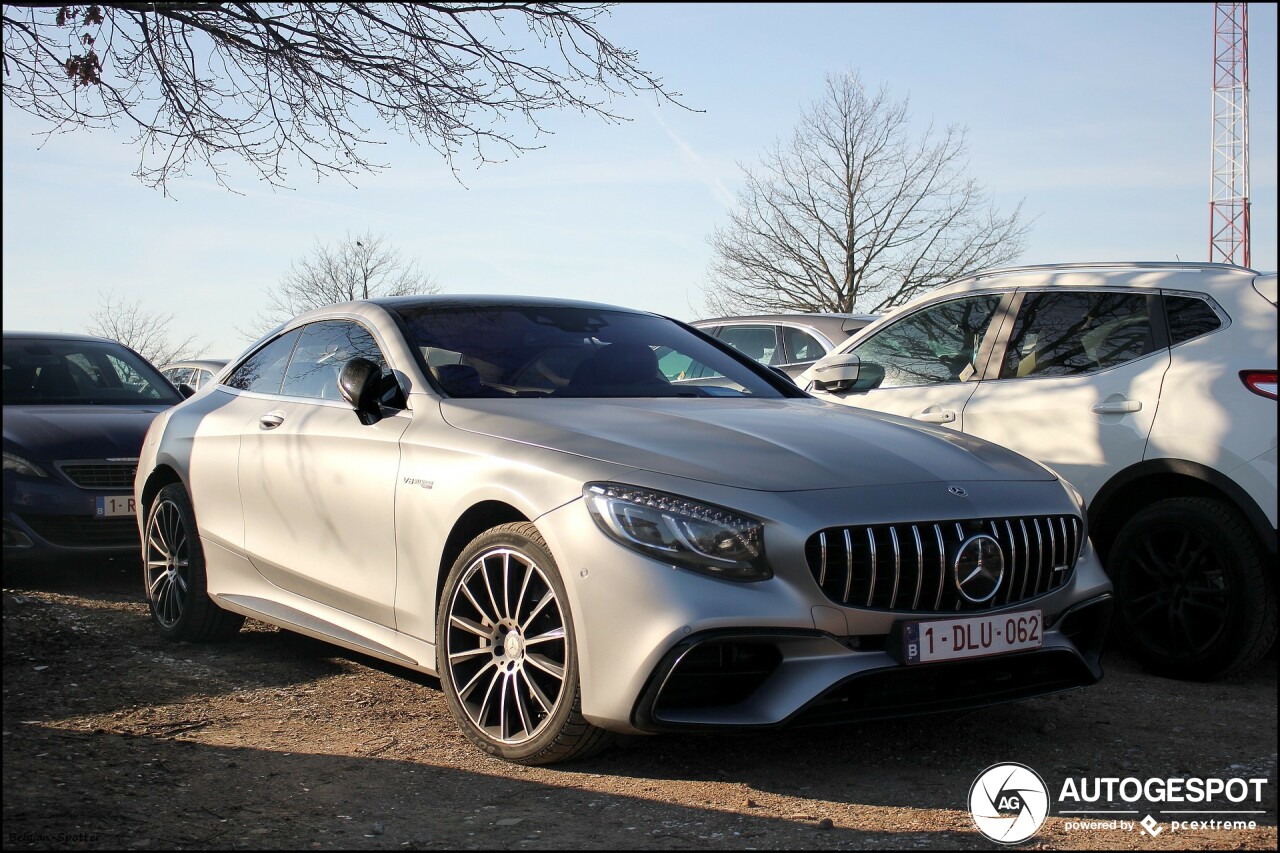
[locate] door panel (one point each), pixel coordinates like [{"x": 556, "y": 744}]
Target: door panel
[
  {"x": 925, "y": 365},
  {"x": 318, "y": 491},
  {"x": 1078, "y": 384}
]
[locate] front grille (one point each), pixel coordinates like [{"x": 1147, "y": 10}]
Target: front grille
[
  {"x": 100, "y": 475},
  {"x": 70, "y": 531},
  {"x": 910, "y": 566}
]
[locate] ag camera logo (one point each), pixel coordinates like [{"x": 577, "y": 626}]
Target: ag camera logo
[{"x": 1008, "y": 802}]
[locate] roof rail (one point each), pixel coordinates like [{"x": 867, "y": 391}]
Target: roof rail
[{"x": 1110, "y": 265}]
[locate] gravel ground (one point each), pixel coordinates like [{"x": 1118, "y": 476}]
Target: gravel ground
[{"x": 115, "y": 739}]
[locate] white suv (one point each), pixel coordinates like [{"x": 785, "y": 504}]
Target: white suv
[{"x": 1149, "y": 386}]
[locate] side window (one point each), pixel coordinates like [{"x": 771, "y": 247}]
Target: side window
[
  {"x": 801, "y": 346},
  {"x": 1062, "y": 334},
  {"x": 934, "y": 345},
  {"x": 321, "y": 352},
  {"x": 199, "y": 377},
  {"x": 264, "y": 370},
  {"x": 1189, "y": 318},
  {"x": 178, "y": 375},
  {"x": 758, "y": 342}
]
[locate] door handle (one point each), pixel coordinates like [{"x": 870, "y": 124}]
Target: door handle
[
  {"x": 937, "y": 416},
  {"x": 271, "y": 420},
  {"x": 1117, "y": 407}
]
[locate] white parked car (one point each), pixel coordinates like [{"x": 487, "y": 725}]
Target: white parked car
[
  {"x": 509, "y": 494},
  {"x": 1151, "y": 387}
]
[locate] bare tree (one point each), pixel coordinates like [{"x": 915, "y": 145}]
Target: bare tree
[
  {"x": 359, "y": 267},
  {"x": 274, "y": 82},
  {"x": 145, "y": 332},
  {"x": 853, "y": 214}
]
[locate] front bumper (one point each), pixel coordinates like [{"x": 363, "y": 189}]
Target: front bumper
[
  {"x": 46, "y": 519},
  {"x": 761, "y": 680},
  {"x": 667, "y": 649}
]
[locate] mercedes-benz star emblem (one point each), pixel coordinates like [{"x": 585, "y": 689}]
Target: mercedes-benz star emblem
[
  {"x": 957, "y": 491},
  {"x": 979, "y": 568}
]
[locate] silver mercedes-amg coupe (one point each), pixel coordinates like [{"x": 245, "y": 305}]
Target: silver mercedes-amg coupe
[{"x": 532, "y": 500}]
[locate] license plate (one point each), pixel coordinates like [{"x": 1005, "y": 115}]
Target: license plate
[
  {"x": 976, "y": 636},
  {"x": 111, "y": 506}
]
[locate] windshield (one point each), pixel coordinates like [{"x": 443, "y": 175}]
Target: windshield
[
  {"x": 542, "y": 351},
  {"x": 69, "y": 372}
]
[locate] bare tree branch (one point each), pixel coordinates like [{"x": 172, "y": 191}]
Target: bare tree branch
[
  {"x": 145, "y": 332},
  {"x": 850, "y": 214},
  {"x": 359, "y": 267},
  {"x": 205, "y": 84}
]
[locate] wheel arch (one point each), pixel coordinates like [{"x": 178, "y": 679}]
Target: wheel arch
[
  {"x": 162, "y": 476},
  {"x": 1139, "y": 485},
  {"x": 473, "y": 522}
]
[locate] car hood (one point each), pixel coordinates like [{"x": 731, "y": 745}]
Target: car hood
[
  {"x": 769, "y": 445},
  {"x": 48, "y": 433}
]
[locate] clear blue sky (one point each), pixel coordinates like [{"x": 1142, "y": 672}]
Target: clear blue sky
[{"x": 1096, "y": 117}]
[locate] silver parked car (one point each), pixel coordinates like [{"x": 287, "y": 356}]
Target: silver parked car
[
  {"x": 194, "y": 373},
  {"x": 789, "y": 342},
  {"x": 507, "y": 493}
]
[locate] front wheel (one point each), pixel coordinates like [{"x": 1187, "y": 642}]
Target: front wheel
[
  {"x": 174, "y": 573},
  {"x": 507, "y": 651},
  {"x": 1195, "y": 598}
]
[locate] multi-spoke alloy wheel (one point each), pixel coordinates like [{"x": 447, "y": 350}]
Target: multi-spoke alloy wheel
[
  {"x": 1194, "y": 601},
  {"x": 173, "y": 571},
  {"x": 507, "y": 657},
  {"x": 167, "y": 559}
]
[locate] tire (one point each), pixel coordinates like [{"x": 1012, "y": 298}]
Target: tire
[
  {"x": 511, "y": 700},
  {"x": 173, "y": 574},
  {"x": 1195, "y": 598}
]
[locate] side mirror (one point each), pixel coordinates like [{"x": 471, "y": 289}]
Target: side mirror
[
  {"x": 358, "y": 385},
  {"x": 838, "y": 374},
  {"x": 186, "y": 390}
]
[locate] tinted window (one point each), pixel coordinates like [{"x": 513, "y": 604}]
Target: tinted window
[
  {"x": 1189, "y": 318},
  {"x": 1060, "y": 334},
  {"x": 756, "y": 342},
  {"x": 550, "y": 351},
  {"x": 932, "y": 345},
  {"x": 801, "y": 345},
  {"x": 264, "y": 370},
  {"x": 80, "y": 372},
  {"x": 321, "y": 352}
]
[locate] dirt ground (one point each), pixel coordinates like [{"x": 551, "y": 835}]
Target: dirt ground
[{"x": 115, "y": 739}]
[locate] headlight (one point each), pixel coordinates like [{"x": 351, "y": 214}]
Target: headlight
[
  {"x": 682, "y": 532},
  {"x": 18, "y": 465}
]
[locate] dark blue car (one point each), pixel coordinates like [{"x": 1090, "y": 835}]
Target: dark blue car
[{"x": 76, "y": 410}]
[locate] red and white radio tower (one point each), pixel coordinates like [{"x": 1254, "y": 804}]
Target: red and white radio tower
[{"x": 1229, "y": 194}]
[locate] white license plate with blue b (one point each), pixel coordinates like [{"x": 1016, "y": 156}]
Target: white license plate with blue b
[
  {"x": 110, "y": 506},
  {"x": 972, "y": 637}
]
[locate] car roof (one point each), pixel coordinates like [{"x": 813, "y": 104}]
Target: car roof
[
  {"x": 1151, "y": 275},
  {"x": 444, "y": 300},
  {"x": 57, "y": 336},
  {"x": 212, "y": 363},
  {"x": 774, "y": 318}
]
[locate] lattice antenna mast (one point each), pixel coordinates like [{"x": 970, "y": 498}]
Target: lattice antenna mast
[{"x": 1229, "y": 192}]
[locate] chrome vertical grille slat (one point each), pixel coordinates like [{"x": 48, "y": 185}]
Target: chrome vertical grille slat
[
  {"x": 848, "y": 564},
  {"x": 897, "y": 567},
  {"x": 853, "y": 567},
  {"x": 915, "y": 602},
  {"x": 822, "y": 544},
  {"x": 942, "y": 567},
  {"x": 871, "y": 591}
]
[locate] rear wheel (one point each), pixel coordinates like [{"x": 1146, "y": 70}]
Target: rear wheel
[
  {"x": 174, "y": 573},
  {"x": 1195, "y": 598},
  {"x": 507, "y": 651}
]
